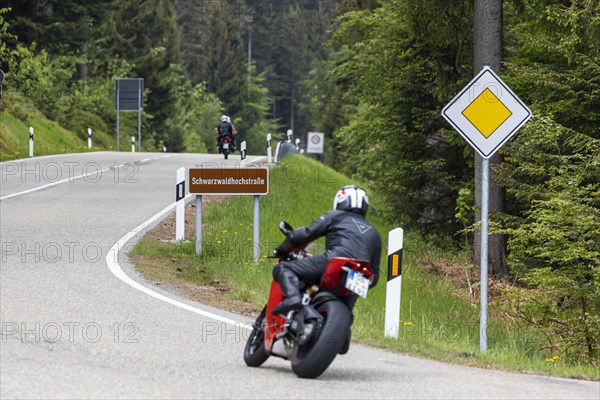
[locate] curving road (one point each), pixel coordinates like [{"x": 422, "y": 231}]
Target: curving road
[{"x": 78, "y": 322}]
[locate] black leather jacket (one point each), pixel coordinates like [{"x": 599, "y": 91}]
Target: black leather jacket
[
  {"x": 347, "y": 234},
  {"x": 225, "y": 129}
]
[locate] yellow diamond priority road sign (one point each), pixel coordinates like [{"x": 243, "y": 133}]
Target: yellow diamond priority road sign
[{"x": 486, "y": 113}]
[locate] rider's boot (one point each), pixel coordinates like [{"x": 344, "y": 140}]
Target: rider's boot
[{"x": 289, "y": 286}]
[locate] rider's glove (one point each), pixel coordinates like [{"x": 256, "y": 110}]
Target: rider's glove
[{"x": 278, "y": 252}]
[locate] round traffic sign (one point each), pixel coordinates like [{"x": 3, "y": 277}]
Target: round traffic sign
[{"x": 315, "y": 139}]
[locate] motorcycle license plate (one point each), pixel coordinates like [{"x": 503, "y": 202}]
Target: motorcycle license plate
[
  {"x": 357, "y": 283},
  {"x": 225, "y": 145}
]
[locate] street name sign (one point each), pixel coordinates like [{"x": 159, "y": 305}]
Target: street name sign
[
  {"x": 486, "y": 113},
  {"x": 229, "y": 181}
]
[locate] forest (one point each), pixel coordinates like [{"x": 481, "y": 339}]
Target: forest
[{"x": 373, "y": 75}]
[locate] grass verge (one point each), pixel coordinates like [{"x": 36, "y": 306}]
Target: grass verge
[
  {"x": 438, "y": 319},
  {"x": 16, "y": 116}
]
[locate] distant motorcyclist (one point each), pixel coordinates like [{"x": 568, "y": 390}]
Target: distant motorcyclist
[
  {"x": 347, "y": 234},
  {"x": 225, "y": 129}
]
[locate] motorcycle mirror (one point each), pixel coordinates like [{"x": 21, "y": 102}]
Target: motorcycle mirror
[{"x": 285, "y": 228}]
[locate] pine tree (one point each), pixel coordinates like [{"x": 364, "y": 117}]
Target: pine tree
[
  {"x": 147, "y": 34},
  {"x": 67, "y": 27},
  {"x": 221, "y": 63}
]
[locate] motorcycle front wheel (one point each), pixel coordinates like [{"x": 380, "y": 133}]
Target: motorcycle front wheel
[
  {"x": 313, "y": 358},
  {"x": 254, "y": 352}
]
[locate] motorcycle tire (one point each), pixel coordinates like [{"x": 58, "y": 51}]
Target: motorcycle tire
[
  {"x": 313, "y": 358},
  {"x": 254, "y": 352},
  {"x": 226, "y": 154}
]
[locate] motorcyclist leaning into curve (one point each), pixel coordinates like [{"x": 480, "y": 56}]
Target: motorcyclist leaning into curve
[
  {"x": 225, "y": 128},
  {"x": 347, "y": 234}
]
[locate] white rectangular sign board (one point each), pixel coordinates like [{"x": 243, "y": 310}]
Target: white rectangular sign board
[
  {"x": 486, "y": 113},
  {"x": 315, "y": 143}
]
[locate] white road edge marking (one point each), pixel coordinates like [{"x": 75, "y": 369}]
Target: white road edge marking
[
  {"x": 255, "y": 160},
  {"x": 112, "y": 260},
  {"x": 35, "y": 189},
  {"x": 71, "y": 179}
]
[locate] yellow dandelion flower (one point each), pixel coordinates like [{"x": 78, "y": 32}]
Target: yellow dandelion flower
[
  {"x": 218, "y": 241},
  {"x": 409, "y": 323},
  {"x": 550, "y": 360}
]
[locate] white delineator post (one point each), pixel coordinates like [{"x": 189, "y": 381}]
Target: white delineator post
[
  {"x": 269, "y": 149},
  {"x": 133, "y": 144},
  {"x": 394, "y": 283},
  {"x": 180, "y": 205},
  {"x": 89, "y": 138},
  {"x": 298, "y": 144},
  {"x": 243, "y": 150},
  {"x": 31, "y": 141}
]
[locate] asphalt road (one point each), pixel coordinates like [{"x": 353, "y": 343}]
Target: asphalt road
[{"x": 71, "y": 328}]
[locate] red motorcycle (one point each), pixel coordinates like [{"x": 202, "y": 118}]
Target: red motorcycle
[{"x": 312, "y": 336}]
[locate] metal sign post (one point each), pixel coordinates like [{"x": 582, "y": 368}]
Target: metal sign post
[
  {"x": 486, "y": 113},
  {"x": 483, "y": 261},
  {"x": 198, "y": 224},
  {"x": 118, "y": 97},
  {"x": 140, "y": 108},
  {"x": 256, "y": 242}
]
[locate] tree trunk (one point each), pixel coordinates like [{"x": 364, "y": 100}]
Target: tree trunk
[
  {"x": 82, "y": 69},
  {"x": 488, "y": 50}
]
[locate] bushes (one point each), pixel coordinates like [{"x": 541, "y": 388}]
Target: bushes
[
  {"x": 48, "y": 83},
  {"x": 551, "y": 172}
]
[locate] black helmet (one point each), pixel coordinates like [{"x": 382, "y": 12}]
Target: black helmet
[{"x": 351, "y": 198}]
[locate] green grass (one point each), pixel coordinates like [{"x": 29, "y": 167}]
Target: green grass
[
  {"x": 435, "y": 323},
  {"x": 49, "y": 137}
]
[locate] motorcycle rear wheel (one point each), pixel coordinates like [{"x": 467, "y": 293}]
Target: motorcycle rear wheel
[
  {"x": 313, "y": 358},
  {"x": 254, "y": 352}
]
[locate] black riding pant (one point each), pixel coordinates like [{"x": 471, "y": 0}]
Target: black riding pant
[{"x": 309, "y": 269}]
